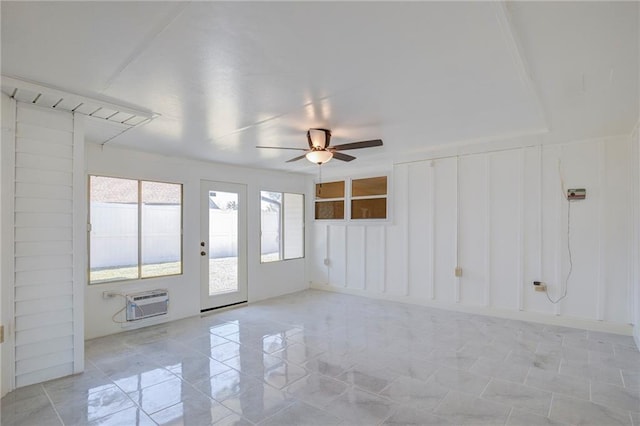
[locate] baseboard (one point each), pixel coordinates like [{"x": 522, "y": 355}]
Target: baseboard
[
  {"x": 636, "y": 335},
  {"x": 565, "y": 321}
]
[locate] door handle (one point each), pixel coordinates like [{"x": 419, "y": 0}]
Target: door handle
[{"x": 203, "y": 253}]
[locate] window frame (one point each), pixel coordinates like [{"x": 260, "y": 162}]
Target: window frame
[
  {"x": 139, "y": 225},
  {"x": 348, "y": 198},
  {"x": 281, "y": 248}
]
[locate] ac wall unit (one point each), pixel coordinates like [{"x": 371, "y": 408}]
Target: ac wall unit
[{"x": 147, "y": 304}]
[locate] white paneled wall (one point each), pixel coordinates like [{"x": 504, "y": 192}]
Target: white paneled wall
[
  {"x": 45, "y": 335},
  {"x": 502, "y": 218}
]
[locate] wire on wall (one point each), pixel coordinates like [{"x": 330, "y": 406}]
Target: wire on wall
[{"x": 568, "y": 276}]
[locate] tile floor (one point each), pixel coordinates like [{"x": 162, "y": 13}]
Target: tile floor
[{"x": 318, "y": 358}]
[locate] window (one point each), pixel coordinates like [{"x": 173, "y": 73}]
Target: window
[
  {"x": 135, "y": 229},
  {"x": 367, "y": 199},
  {"x": 282, "y": 226},
  {"x": 330, "y": 200}
]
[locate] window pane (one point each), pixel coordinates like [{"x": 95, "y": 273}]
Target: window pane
[
  {"x": 161, "y": 229},
  {"x": 370, "y": 208},
  {"x": 330, "y": 190},
  {"x": 293, "y": 226},
  {"x": 330, "y": 209},
  {"x": 271, "y": 207},
  {"x": 113, "y": 206},
  {"x": 370, "y": 186}
]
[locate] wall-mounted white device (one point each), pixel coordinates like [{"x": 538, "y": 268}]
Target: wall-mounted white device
[
  {"x": 147, "y": 304},
  {"x": 576, "y": 194}
]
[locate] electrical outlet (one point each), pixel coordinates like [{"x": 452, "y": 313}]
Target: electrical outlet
[
  {"x": 576, "y": 194},
  {"x": 458, "y": 271},
  {"x": 539, "y": 286}
]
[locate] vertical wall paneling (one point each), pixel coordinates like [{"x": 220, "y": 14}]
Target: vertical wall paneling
[
  {"x": 407, "y": 236},
  {"x": 445, "y": 229},
  {"x": 355, "y": 257},
  {"x": 337, "y": 255},
  {"x": 383, "y": 274},
  {"x": 8, "y": 242},
  {"x": 432, "y": 229},
  {"x": 45, "y": 142},
  {"x": 504, "y": 227},
  {"x": 364, "y": 258},
  {"x": 600, "y": 288},
  {"x": 472, "y": 235},
  {"x": 560, "y": 282},
  {"x": 327, "y": 257},
  {"x": 374, "y": 258},
  {"x": 419, "y": 239},
  {"x": 521, "y": 191},
  {"x": 502, "y": 218},
  {"x": 397, "y": 236},
  {"x": 487, "y": 230},
  {"x": 79, "y": 241},
  {"x": 456, "y": 239}
]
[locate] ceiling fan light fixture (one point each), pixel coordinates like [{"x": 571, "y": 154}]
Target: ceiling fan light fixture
[
  {"x": 318, "y": 138},
  {"x": 319, "y": 157}
]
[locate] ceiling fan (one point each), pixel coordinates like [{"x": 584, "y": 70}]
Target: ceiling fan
[{"x": 320, "y": 151}]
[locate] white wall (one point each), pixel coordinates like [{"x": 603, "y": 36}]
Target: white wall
[
  {"x": 265, "y": 280},
  {"x": 635, "y": 140},
  {"x": 510, "y": 228}
]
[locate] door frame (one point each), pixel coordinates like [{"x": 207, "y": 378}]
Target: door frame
[{"x": 208, "y": 302}]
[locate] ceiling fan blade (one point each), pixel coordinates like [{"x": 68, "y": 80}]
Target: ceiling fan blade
[
  {"x": 281, "y": 147},
  {"x": 357, "y": 145},
  {"x": 297, "y": 158},
  {"x": 343, "y": 157}
]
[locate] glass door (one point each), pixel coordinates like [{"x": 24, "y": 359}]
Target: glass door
[{"x": 223, "y": 244}]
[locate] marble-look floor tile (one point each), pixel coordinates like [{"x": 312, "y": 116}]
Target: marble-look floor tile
[
  {"x": 358, "y": 407},
  {"x": 226, "y": 385},
  {"x": 410, "y": 416},
  {"x": 194, "y": 369},
  {"x": 253, "y": 363},
  {"x": 28, "y": 408},
  {"x": 525, "y": 418},
  {"x": 316, "y": 389},
  {"x": 578, "y": 412},
  {"x": 591, "y": 345},
  {"x": 465, "y": 409},
  {"x": 600, "y": 374},
  {"x": 453, "y": 359},
  {"x": 94, "y": 406},
  {"x": 77, "y": 386},
  {"x": 369, "y": 378},
  {"x": 500, "y": 369},
  {"x": 599, "y": 359},
  {"x": 460, "y": 380},
  {"x": 631, "y": 379},
  {"x": 258, "y": 403},
  {"x": 301, "y": 414},
  {"x": 414, "y": 392},
  {"x": 133, "y": 416},
  {"x": 283, "y": 374},
  {"x": 615, "y": 396},
  {"x": 516, "y": 395},
  {"x": 298, "y": 353},
  {"x": 162, "y": 395},
  {"x": 635, "y": 418},
  {"x": 192, "y": 412},
  {"x": 577, "y": 387}
]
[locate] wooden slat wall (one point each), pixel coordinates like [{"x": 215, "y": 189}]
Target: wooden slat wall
[{"x": 43, "y": 244}]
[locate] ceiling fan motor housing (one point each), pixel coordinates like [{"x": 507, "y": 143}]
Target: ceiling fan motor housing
[{"x": 318, "y": 138}]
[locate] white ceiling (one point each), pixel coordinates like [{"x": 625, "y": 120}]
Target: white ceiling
[{"x": 225, "y": 77}]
